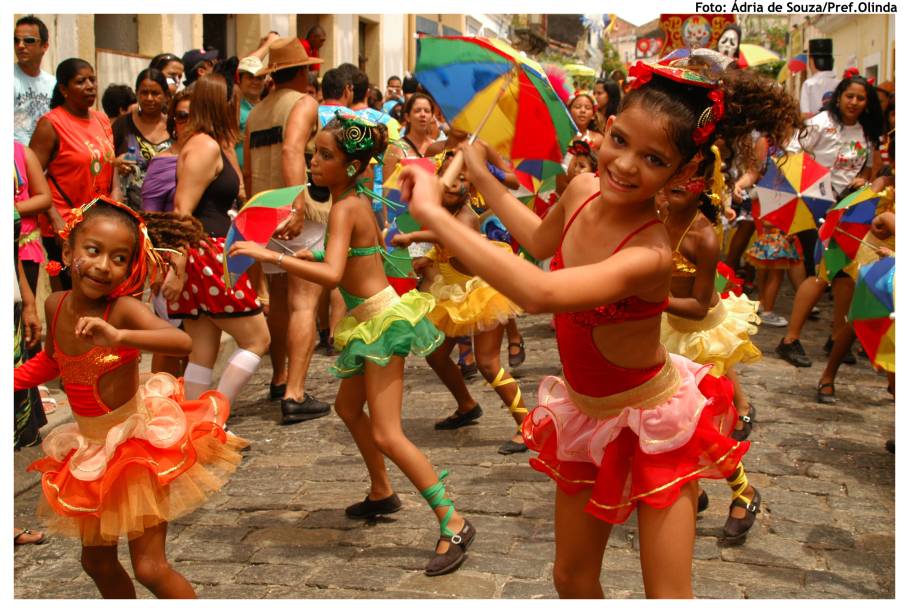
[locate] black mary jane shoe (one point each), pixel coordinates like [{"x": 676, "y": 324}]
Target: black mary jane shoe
[
  {"x": 459, "y": 420},
  {"x": 747, "y": 425},
  {"x": 703, "y": 501},
  {"x": 447, "y": 562},
  {"x": 276, "y": 392},
  {"x": 369, "y": 509},
  {"x": 516, "y": 359},
  {"x": 737, "y": 529},
  {"x": 509, "y": 447},
  {"x": 824, "y": 396}
]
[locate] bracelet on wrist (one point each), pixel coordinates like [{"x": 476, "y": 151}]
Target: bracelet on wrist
[{"x": 279, "y": 260}]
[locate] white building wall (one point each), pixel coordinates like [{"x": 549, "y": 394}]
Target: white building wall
[
  {"x": 393, "y": 47},
  {"x": 345, "y": 40}
]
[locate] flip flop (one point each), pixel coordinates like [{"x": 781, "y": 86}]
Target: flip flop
[{"x": 31, "y": 538}]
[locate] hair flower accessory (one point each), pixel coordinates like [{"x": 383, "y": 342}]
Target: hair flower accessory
[
  {"x": 712, "y": 114},
  {"x": 53, "y": 268},
  {"x": 580, "y": 147},
  {"x": 356, "y": 132},
  {"x": 850, "y": 72}
]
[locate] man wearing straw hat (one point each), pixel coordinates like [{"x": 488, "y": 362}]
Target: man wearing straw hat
[{"x": 277, "y": 131}]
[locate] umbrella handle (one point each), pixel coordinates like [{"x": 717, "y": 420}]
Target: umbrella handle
[{"x": 454, "y": 168}]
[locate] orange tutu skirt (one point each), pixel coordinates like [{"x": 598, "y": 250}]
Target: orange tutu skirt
[
  {"x": 156, "y": 458},
  {"x": 641, "y": 455}
]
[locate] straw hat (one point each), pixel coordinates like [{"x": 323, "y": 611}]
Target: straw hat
[{"x": 287, "y": 52}]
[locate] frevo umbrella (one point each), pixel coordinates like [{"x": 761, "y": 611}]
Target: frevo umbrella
[
  {"x": 491, "y": 91},
  {"x": 257, "y": 221},
  {"x": 794, "y": 193},
  {"x": 872, "y": 312},
  {"x": 755, "y": 55},
  {"x": 844, "y": 228}
]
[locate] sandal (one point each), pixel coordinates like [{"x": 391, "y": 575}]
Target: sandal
[
  {"x": 443, "y": 563},
  {"x": 516, "y": 359},
  {"x": 26, "y": 537},
  {"x": 737, "y": 528},
  {"x": 48, "y": 402},
  {"x": 826, "y": 397},
  {"x": 747, "y": 425},
  {"x": 459, "y": 420}
]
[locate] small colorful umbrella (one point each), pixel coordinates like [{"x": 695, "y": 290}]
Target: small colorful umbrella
[
  {"x": 755, "y": 55},
  {"x": 794, "y": 193},
  {"x": 844, "y": 228},
  {"x": 257, "y": 221},
  {"x": 872, "y": 312},
  {"x": 490, "y": 90}
]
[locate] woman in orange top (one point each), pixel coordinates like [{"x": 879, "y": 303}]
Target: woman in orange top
[{"x": 74, "y": 144}]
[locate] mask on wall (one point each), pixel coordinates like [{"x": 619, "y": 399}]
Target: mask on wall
[{"x": 728, "y": 44}]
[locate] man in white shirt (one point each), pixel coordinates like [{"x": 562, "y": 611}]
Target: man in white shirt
[
  {"x": 823, "y": 79},
  {"x": 32, "y": 87}
]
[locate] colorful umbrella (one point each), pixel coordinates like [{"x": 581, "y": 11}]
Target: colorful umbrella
[
  {"x": 257, "y": 221},
  {"x": 844, "y": 228},
  {"x": 794, "y": 193},
  {"x": 491, "y": 91},
  {"x": 872, "y": 312},
  {"x": 755, "y": 55}
]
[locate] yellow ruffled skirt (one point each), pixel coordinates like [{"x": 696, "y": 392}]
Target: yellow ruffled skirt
[{"x": 721, "y": 338}]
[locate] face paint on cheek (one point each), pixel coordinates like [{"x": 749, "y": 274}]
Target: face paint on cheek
[{"x": 77, "y": 265}]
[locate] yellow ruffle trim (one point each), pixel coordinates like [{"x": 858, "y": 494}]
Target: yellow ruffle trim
[{"x": 724, "y": 345}]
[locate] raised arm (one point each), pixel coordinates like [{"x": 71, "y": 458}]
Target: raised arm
[
  {"x": 631, "y": 271},
  {"x": 539, "y": 236},
  {"x": 136, "y": 326}
]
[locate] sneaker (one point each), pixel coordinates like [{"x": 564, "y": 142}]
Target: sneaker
[
  {"x": 793, "y": 353},
  {"x": 769, "y": 318}
]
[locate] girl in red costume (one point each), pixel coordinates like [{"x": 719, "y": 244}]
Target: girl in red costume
[
  {"x": 138, "y": 455},
  {"x": 629, "y": 426}
]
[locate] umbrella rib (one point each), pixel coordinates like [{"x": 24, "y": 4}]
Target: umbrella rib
[{"x": 505, "y": 85}]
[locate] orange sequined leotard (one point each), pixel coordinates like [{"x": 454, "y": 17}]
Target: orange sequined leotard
[{"x": 80, "y": 373}]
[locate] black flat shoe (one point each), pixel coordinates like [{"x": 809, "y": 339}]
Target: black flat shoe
[
  {"x": 703, "y": 501},
  {"x": 276, "y": 392},
  {"x": 371, "y": 508},
  {"x": 737, "y": 529},
  {"x": 510, "y": 447},
  {"x": 748, "y": 424},
  {"x": 469, "y": 371},
  {"x": 825, "y": 397},
  {"x": 516, "y": 359},
  {"x": 459, "y": 420},
  {"x": 794, "y": 353},
  {"x": 449, "y": 561},
  {"x": 293, "y": 411}
]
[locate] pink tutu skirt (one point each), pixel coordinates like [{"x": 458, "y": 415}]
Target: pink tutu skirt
[{"x": 640, "y": 454}]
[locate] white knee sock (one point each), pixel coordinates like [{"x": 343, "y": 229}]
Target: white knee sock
[
  {"x": 196, "y": 379},
  {"x": 240, "y": 367}
]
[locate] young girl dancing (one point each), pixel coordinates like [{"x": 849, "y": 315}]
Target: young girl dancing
[
  {"x": 467, "y": 306},
  {"x": 699, "y": 325},
  {"x": 380, "y": 329},
  {"x": 138, "y": 455},
  {"x": 630, "y": 426}
]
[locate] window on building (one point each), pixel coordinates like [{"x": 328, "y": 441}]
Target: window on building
[{"x": 117, "y": 32}]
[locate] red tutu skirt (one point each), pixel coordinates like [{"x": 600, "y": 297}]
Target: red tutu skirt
[
  {"x": 154, "y": 459},
  {"x": 640, "y": 455},
  {"x": 205, "y": 292}
]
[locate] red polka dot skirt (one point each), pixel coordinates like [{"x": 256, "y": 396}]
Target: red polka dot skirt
[{"x": 205, "y": 292}]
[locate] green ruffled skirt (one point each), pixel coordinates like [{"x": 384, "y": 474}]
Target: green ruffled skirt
[{"x": 400, "y": 329}]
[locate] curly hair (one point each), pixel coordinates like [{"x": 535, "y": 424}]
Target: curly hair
[
  {"x": 379, "y": 137},
  {"x": 753, "y": 103},
  {"x": 172, "y": 231}
]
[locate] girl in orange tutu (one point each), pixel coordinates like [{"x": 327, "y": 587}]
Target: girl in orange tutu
[
  {"x": 138, "y": 454},
  {"x": 630, "y": 426},
  {"x": 467, "y": 306}
]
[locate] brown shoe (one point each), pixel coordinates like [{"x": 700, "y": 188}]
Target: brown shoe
[
  {"x": 449, "y": 561},
  {"x": 736, "y": 529}
]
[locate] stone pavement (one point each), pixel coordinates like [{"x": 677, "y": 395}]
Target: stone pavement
[{"x": 278, "y": 528}]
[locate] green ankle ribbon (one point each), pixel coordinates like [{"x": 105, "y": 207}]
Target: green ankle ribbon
[{"x": 435, "y": 496}]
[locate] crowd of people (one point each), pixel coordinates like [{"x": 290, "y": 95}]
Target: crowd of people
[{"x": 128, "y": 210}]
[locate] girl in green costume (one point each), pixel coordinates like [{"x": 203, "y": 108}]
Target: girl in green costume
[{"x": 380, "y": 329}]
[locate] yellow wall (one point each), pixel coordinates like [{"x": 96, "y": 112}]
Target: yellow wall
[{"x": 861, "y": 38}]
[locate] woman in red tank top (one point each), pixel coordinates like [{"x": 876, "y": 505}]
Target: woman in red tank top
[{"x": 629, "y": 426}]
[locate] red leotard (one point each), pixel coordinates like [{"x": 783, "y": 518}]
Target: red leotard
[
  {"x": 80, "y": 373},
  {"x": 586, "y": 370}
]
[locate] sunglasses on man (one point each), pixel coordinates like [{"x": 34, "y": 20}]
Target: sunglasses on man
[{"x": 25, "y": 40}]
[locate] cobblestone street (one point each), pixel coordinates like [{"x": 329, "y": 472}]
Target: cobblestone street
[{"x": 278, "y": 528}]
